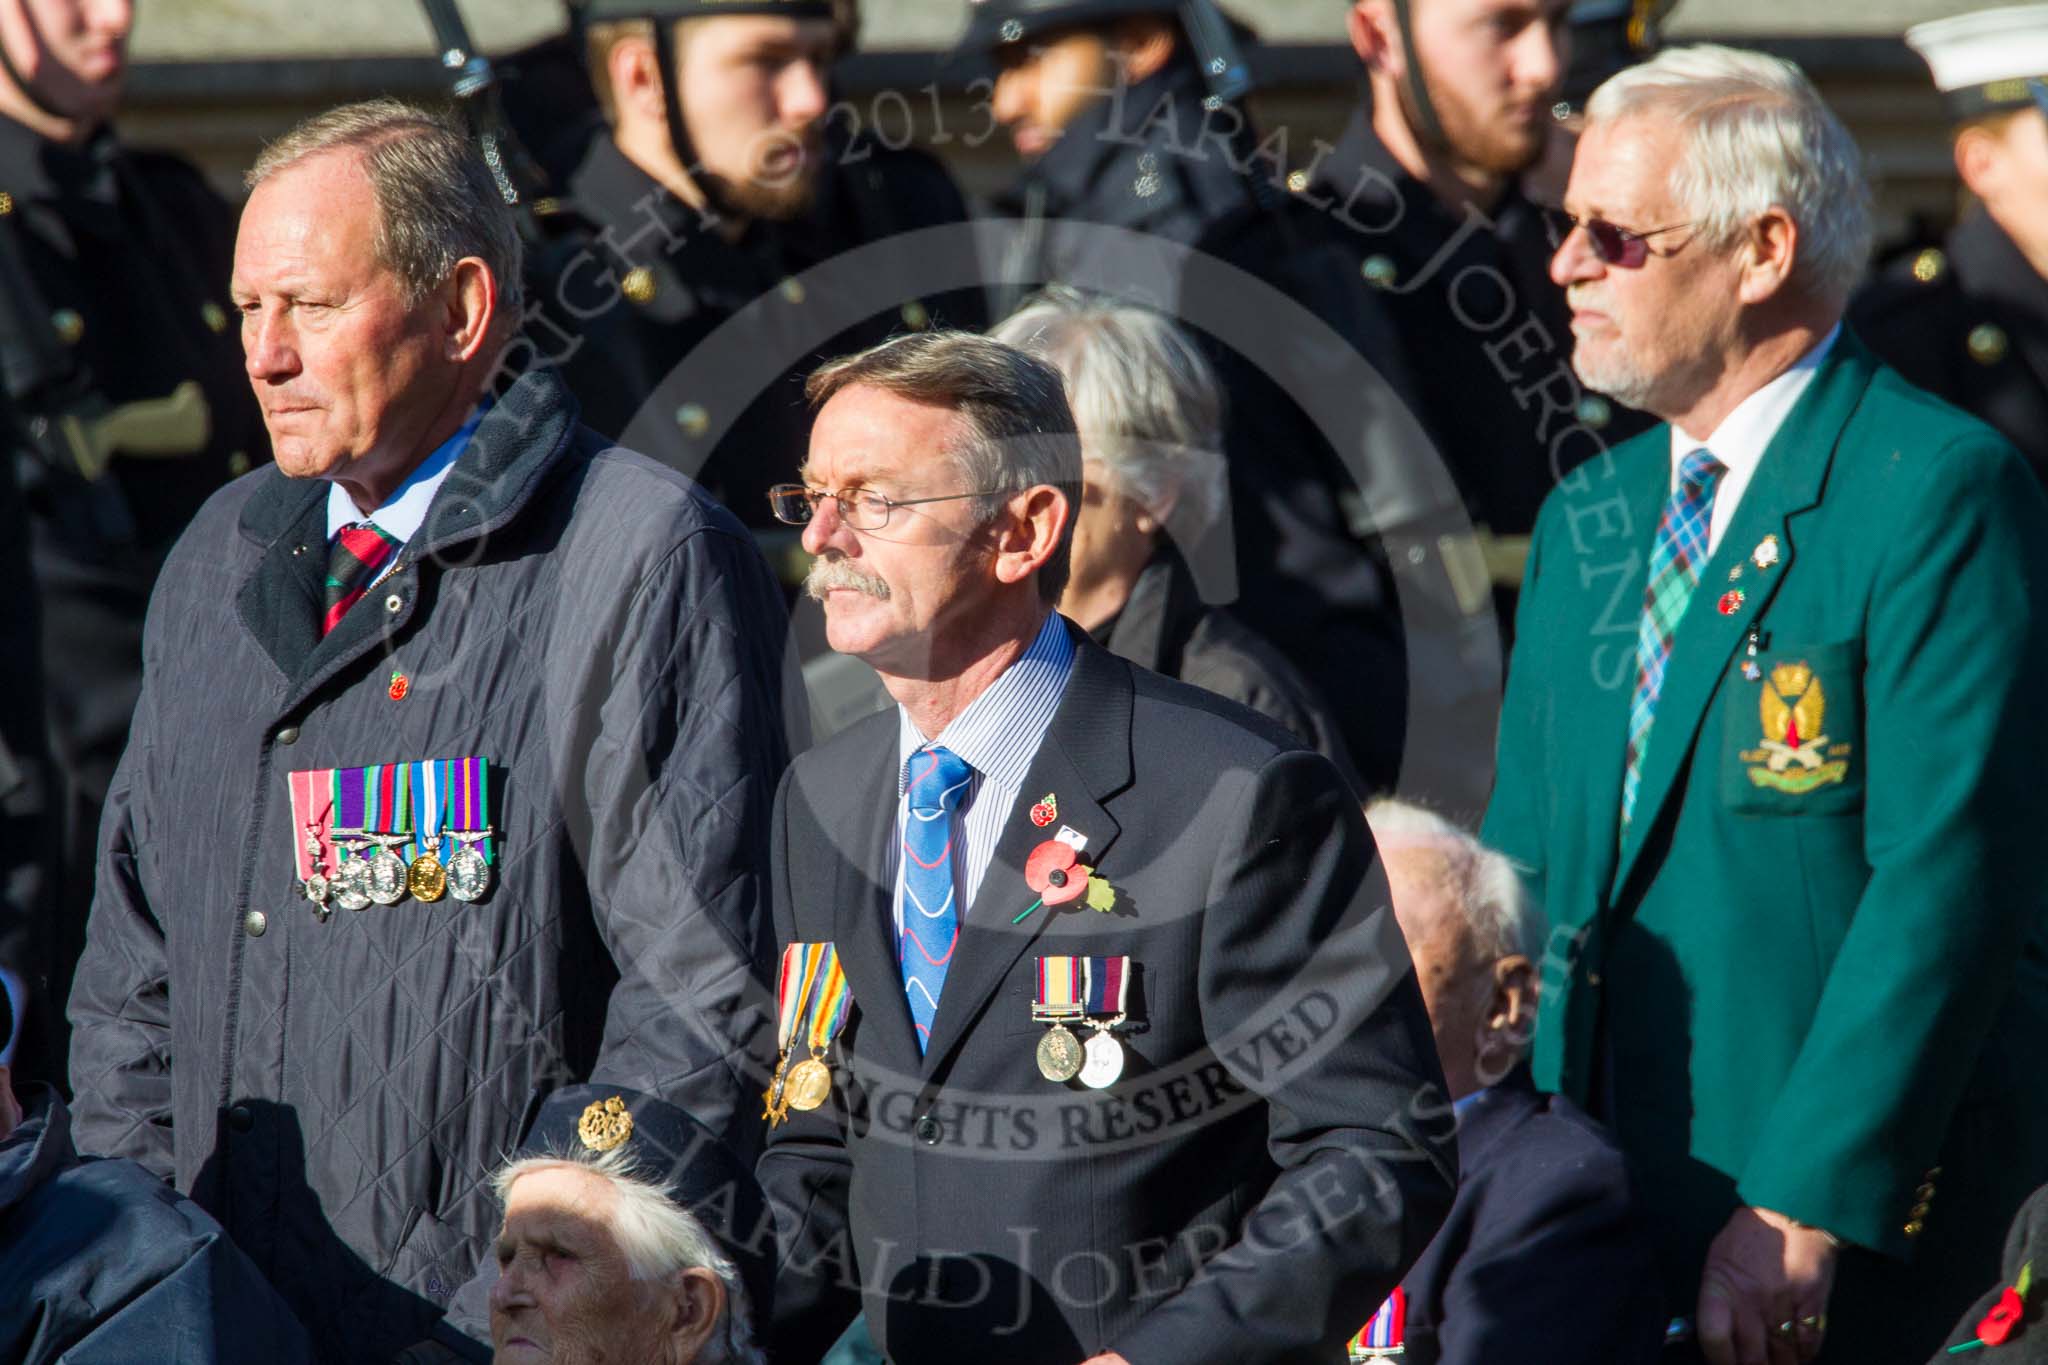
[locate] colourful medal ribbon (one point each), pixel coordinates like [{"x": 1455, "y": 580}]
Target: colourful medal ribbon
[
  {"x": 448, "y": 811},
  {"x": 1387, "y": 1332},
  {"x": 828, "y": 1010},
  {"x": 473, "y": 800},
  {"x": 373, "y": 798},
  {"x": 427, "y": 809},
  {"x": 401, "y": 777},
  {"x": 786, "y": 981},
  {"x": 1059, "y": 988},
  {"x": 390, "y": 806},
  {"x": 1108, "y": 982},
  {"x": 312, "y": 812},
  {"x": 348, "y": 798}
]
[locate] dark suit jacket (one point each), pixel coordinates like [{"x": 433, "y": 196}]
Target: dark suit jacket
[
  {"x": 1542, "y": 1257},
  {"x": 1279, "y": 1127}
]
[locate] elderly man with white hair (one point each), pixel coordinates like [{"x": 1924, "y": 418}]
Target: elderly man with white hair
[
  {"x": 1770, "y": 746},
  {"x": 1149, "y": 411},
  {"x": 1544, "y": 1256},
  {"x": 619, "y": 1242}
]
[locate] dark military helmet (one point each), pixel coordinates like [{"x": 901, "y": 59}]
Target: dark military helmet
[
  {"x": 598, "y": 11},
  {"x": 996, "y": 24},
  {"x": 1606, "y": 37}
]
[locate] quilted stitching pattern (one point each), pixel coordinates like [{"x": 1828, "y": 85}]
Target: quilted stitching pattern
[{"x": 388, "y": 1055}]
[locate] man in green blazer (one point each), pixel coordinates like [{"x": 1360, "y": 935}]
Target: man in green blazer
[{"x": 1772, "y": 752}]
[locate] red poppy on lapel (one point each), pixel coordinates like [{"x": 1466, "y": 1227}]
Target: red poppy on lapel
[{"x": 1054, "y": 874}]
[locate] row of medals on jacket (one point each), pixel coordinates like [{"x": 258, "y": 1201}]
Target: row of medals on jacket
[
  {"x": 384, "y": 878},
  {"x": 1062, "y": 1056}
]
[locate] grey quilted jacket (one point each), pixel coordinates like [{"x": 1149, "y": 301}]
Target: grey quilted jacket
[{"x": 335, "y": 1092}]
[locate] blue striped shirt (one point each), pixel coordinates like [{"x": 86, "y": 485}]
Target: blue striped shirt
[{"x": 998, "y": 735}]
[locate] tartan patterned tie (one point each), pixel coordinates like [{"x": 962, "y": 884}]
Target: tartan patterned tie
[
  {"x": 1676, "y": 558},
  {"x": 938, "y": 780},
  {"x": 359, "y": 554}
]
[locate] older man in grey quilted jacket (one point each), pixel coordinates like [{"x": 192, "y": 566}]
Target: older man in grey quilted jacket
[{"x": 449, "y": 782}]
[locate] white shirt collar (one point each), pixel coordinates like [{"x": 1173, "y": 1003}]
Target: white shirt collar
[
  {"x": 1745, "y": 434},
  {"x": 406, "y": 508},
  {"x": 999, "y": 732}
]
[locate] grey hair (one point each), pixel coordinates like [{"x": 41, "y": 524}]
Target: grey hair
[
  {"x": 436, "y": 200},
  {"x": 658, "y": 1238},
  {"x": 1022, "y": 431},
  {"x": 1757, "y": 134},
  {"x": 1483, "y": 884},
  {"x": 1145, "y": 398}
]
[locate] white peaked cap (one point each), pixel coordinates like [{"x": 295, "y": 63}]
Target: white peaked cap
[{"x": 1984, "y": 60}]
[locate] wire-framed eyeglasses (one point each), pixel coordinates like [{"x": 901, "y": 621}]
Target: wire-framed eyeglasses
[
  {"x": 863, "y": 509},
  {"x": 1616, "y": 246}
]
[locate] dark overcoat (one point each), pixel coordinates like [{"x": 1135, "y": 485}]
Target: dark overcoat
[{"x": 337, "y": 1091}]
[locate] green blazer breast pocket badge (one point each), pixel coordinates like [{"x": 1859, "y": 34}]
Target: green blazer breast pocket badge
[
  {"x": 1795, "y": 754},
  {"x": 1792, "y": 729}
]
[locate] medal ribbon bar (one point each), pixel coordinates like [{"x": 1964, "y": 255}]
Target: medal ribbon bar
[
  {"x": 811, "y": 995},
  {"x": 312, "y": 819},
  {"x": 1108, "y": 982},
  {"x": 1059, "y": 989},
  {"x": 829, "y": 1000},
  {"x": 470, "y": 796},
  {"x": 1386, "y": 1334},
  {"x": 429, "y": 809}
]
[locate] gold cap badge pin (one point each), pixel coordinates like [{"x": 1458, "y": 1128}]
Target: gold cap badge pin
[{"x": 605, "y": 1125}]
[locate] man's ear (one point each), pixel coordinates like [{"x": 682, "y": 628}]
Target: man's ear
[
  {"x": 635, "y": 73},
  {"x": 1512, "y": 1010},
  {"x": 1370, "y": 25},
  {"x": 1980, "y": 160},
  {"x": 1770, "y": 249},
  {"x": 1146, "y": 43},
  {"x": 1029, "y": 530},
  {"x": 472, "y": 306},
  {"x": 700, "y": 1307}
]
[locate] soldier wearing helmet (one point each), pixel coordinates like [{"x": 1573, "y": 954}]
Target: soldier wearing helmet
[{"x": 719, "y": 181}]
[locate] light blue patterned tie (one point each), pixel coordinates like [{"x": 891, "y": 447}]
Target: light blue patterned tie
[
  {"x": 937, "y": 782},
  {"x": 1676, "y": 558}
]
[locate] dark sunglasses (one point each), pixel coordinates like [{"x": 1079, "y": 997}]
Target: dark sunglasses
[{"x": 1616, "y": 246}]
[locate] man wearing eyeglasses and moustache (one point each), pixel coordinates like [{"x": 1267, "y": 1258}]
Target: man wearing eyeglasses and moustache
[
  {"x": 981, "y": 1202},
  {"x": 1770, "y": 749}
]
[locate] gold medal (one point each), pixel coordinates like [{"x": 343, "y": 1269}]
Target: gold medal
[
  {"x": 1059, "y": 1054},
  {"x": 811, "y": 997},
  {"x": 426, "y": 878},
  {"x": 809, "y": 1084}
]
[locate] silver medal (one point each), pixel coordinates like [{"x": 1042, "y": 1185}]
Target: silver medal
[
  {"x": 1104, "y": 1060},
  {"x": 469, "y": 875},
  {"x": 351, "y": 885},
  {"x": 385, "y": 877},
  {"x": 315, "y": 889}
]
